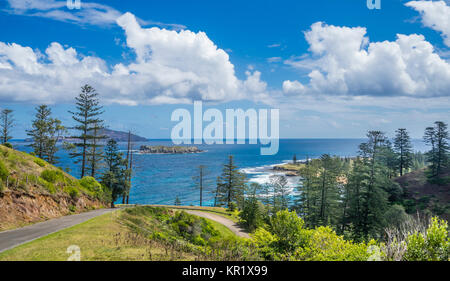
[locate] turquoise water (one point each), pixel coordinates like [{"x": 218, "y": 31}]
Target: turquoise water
[{"x": 159, "y": 178}]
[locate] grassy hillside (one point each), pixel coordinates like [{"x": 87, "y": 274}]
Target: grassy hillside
[
  {"x": 32, "y": 190},
  {"x": 157, "y": 233},
  {"x": 424, "y": 196},
  {"x": 164, "y": 234},
  {"x": 133, "y": 234}
]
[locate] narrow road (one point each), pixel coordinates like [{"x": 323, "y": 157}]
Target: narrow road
[
  {"x": 222, "y": 220},
  {"x": 13, "y": 238}
]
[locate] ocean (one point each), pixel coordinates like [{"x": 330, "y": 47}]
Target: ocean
[{"x": 160, "y": 178}]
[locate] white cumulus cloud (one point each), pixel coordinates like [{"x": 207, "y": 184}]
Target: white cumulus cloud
[
  {"x": 435, "y": 15},
  {"x": 342, "y": 61},
  {"x": 170, "y": 67}
]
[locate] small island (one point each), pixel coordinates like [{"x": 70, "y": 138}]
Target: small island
[{"x": 161, "y": 149}]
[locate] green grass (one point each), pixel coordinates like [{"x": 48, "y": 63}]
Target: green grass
[
  {"x": 134, "y": 234},
  {"x": 94, "y": 237},
  {"x": 223, "y": 230},
  {"x": 233, "y": 216}
]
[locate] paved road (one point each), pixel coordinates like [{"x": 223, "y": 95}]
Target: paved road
[
  {"x": 220, "y": 219},
  {"x": 12, "y": 238}
]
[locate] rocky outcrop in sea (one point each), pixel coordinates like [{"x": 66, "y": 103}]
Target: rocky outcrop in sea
[{"x": 160, "y": 149}]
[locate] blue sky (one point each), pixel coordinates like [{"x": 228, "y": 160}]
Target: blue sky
[{"x": 259, "y": 57}]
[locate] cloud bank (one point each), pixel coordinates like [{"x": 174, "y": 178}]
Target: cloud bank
[
  {"x": 89, "y": 14},
  {"x": 435, "y": 15},
  {"x": 178, "y": 66},
  {"x": 343, "y": 62},
  {"x": 170, "y": 67}
]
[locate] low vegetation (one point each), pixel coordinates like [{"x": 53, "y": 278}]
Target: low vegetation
[
  {"x": 140, "y": 233},
  {"x": 34, "y": 180},
  {"x": 25, "y": 171},
  {"x": 157, "y": 233}
]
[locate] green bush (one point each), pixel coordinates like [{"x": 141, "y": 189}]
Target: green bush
[
  {"x": 287, "y": 226},
  {"x": 90, "y": 184},
  {"x": 40, "y": 162},
  {"x": 2, "y": 187},
  {"x": 252, "y": 214},
  {"x": 50, "y": 187},
  {"x": 189, "y": 227},
  {"x": 395, "y": 215},
  {"x": 434, "y": 245},
  {"x": 324, "y": 244},
  {"x": 286, "y": 239},
  {"x": 51, "y": 175},
  {"x": 4, "y": 173},
  {"x": 72, "y": 191},
  {"x": 198, "y": 240},
  {"x": 95, "y": 189},
  {"x": 266, "y": 244}
]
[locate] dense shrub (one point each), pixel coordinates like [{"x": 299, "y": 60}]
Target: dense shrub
[
  {"x": 252, "y": 214},
  {"x": 286, "y": 239},
  {"x": 51, "y": 175},
  {"x": 265, "y": 242},
  {"x": 287, "y": 226},
  {"x": 4, "y": 173},
  {"x": 395, "y": 215},
  {"x": 90, "y": 184},
  {"x": 95, "y": 189},
  {"x": 323, "y": 244},
  {"x": 72, "y": 191},
  {"x": 434, "y": 245},
  {"x": 40, "y": 162},
  {"x": 50, "y": 187},
  {"x": 193, "y": 228},
  {"x": 232, "y": 249}
]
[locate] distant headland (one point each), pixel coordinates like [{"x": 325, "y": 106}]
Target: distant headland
[
  {"x": 161, "y": 149},
  {"x": 118, "y": 136}
]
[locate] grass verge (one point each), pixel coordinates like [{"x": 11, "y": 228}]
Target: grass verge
[{"x": 133, "y": 234}]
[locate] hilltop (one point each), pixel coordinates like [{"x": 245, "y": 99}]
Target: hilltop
[
  {"x": 120, "y": 136},
  {"x": 422, "y": 195},
  {"x": 32, "y": 190}
]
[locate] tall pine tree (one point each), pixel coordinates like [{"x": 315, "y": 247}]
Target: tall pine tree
[
  {"x": 200, "y": 181},
  {"x": 45, "y": 133},
  {"x": 438, "y": 156},
  {"x": 6, "y": 124},
  {"x": 231, "y": 184},
  {"x": 403, "y": 150},
  {"x": 369, "y": 179},
  {"x": 87, "y": 118},
  {"x": 40, "y": 129},
  {"x": 115, "y": 175},
  {"x": 94, "y": 154}
]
